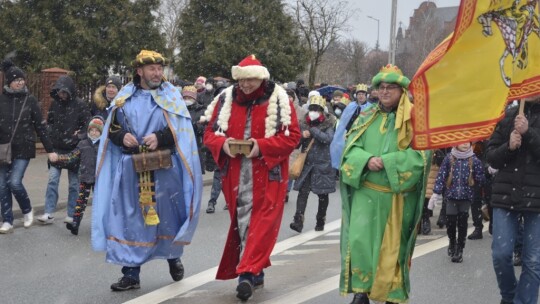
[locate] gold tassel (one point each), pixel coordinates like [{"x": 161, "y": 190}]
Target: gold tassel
[
  {"x": 146, "y": 197},
  {"x": 151, "y": 218}
]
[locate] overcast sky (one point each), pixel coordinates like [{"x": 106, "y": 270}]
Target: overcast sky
[{"x": 365, "y": 29}]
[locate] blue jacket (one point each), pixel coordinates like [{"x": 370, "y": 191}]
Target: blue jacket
[
  {"x": 338, "y": 143},
  {"x": 459, "y": 186}
]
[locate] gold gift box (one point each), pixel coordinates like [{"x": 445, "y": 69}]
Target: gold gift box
[{"x": 240, "y": 146}]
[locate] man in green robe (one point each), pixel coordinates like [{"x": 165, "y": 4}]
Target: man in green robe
[{"x": 382, "y": 190}]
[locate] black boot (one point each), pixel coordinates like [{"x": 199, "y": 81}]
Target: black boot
[
  {"x": 451, "y": 224},
  {"x": 458, "y": 255},
  {"x": 441, "y": 222},
  {"x": 73, "y": 227},
  {"x": 426, "y": 225},
  {"x": 462, "y": 236},
  {"x": 476, "y": 234},
  {"x": 360, "y": 298},
  {"x": 298, "y": 222},
  {"x": 321, "y": 212},
  {"x": 287, "y": 198},
  {"x": 211, "y": 207},
  {"x": 320, "y": 224}
]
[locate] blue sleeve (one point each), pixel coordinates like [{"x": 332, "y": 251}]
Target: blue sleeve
[{"x": 440, "y": 182}]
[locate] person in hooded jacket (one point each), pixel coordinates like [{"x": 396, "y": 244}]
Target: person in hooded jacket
[
  {"x": 14, "y": 101},
  {"x": 67, "y": 117},
  {"x": 205, "y": 97},
  {"x": 317, "y": 175},
  {"x": 104, "y": 95}
]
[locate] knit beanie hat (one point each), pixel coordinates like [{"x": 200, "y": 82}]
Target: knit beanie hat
[
  {"x": 390, "y": 74},
  {"x": 250, "y": 67},
  {"x": 337, "y": 93},
  {"x": 114, "y": 80},
  {"x": 11, "y": 72},
  {"x": 189, "y": 91},
  {"x": 96, "y": 122}
]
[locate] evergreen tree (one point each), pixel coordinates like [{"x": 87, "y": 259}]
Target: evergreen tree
[
  {"x": 215, "y": 35},
  {"x": 88, "y": 37}
]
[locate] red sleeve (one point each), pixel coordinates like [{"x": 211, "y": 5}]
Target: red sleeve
[
  {"x": 214, "y": 142},
  {"x": 278, "y": 148}
]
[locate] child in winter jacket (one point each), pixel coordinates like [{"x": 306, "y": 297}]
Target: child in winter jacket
[
  {"x": 85, "y": 155},
  {"x": 459, "y": 172}
]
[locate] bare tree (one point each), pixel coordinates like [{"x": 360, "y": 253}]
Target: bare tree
[
  {"x": 320, "y": 22},
  {"x": 169, "y": 22},
  {"x": 357, "y": 51}
]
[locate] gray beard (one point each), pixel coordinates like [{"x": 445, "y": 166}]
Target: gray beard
[{"x": 152, "y": 84}]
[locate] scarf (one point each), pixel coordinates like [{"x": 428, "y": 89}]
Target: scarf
[
  {"x": 242, "y": 98},
  {"x": 462, "y": 155},
  {"x": 403, "y": 121}
]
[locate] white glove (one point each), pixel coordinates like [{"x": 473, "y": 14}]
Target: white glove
[
  {"x": 436, "y": 199},
  {"x": 492, "y": 171}
]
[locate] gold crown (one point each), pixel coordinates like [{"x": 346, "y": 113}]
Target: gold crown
[
  {"x": 361, "y": 87},
  {"x": 189, "y": 89},
  {"x": 318, "y": 100},
  {"x": 390, "y": 68},
  {"x": 148, "y": 57}
]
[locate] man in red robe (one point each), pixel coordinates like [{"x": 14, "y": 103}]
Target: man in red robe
[{"x": 255, "y": 184}]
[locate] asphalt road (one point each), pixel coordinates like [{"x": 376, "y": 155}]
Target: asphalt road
[{"x": 46, "y": 264}]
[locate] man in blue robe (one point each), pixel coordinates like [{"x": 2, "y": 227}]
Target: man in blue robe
[{"x": 141, "y": 216}]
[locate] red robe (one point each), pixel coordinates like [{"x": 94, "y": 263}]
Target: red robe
[{"x": 268, "y": 196}]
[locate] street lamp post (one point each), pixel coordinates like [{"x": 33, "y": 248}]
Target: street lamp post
[{"x": 378, "y": 21}]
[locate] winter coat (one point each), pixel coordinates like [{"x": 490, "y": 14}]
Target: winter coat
[
  {"x": 66, "y": 118},
  {"x": 83, "y": 159},
  {"x": 23, "y": 145},
  {"x": 196, "y": 111},
  {"x": 100, "y": 104},
  {"x": 268, "y": 177},
  {"x": 318, "y": 165},
  {"x": 517, "y": 184},
  {"x": 436, "y": 160},
  {"x": 459, "y": 188},
  {"x": 205, "y": 97}
]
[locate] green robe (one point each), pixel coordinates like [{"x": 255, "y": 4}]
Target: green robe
[{"x": 380, "y": 210}]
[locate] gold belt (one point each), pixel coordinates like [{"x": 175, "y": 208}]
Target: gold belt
[{"x": 384, "y": 189}]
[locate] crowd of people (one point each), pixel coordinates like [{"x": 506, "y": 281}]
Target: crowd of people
[{"x": 356, "y": 140}]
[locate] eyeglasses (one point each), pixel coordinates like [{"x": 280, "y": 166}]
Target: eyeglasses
[
  {"x": 388, "y": 87},
  {"x": 19, "y": 80}
]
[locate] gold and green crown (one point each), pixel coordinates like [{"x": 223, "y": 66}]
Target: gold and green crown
[{"x": 390, "y": 74}]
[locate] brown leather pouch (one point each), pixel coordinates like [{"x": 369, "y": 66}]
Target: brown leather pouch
[{"x": 154, "y": 160}]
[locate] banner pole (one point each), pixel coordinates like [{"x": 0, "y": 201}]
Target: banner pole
[{"x": 521, "y": 107}]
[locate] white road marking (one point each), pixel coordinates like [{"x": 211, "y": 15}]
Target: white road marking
[
  {"x": 201, "y": 278},
  {"x": 297, "y": 296},
  {"x": 300, "y": 251},
  {"x": 322, "y": 242},
  {"x": 307, "y": 292}
]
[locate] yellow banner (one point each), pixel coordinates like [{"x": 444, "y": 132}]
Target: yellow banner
[{"x": 462, "y": 88}]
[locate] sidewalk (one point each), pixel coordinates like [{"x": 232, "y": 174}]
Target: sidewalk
[{"x": 36, "y": 178}]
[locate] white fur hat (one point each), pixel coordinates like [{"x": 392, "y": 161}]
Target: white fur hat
[{"x": 250, "y": 67}]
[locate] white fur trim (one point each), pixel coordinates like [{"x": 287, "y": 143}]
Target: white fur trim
[
  {"x": 250, "y": 71},
  {"x": 279, "y": 95}
]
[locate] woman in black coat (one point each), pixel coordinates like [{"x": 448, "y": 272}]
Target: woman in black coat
[{"x": 15, "y": 95}]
